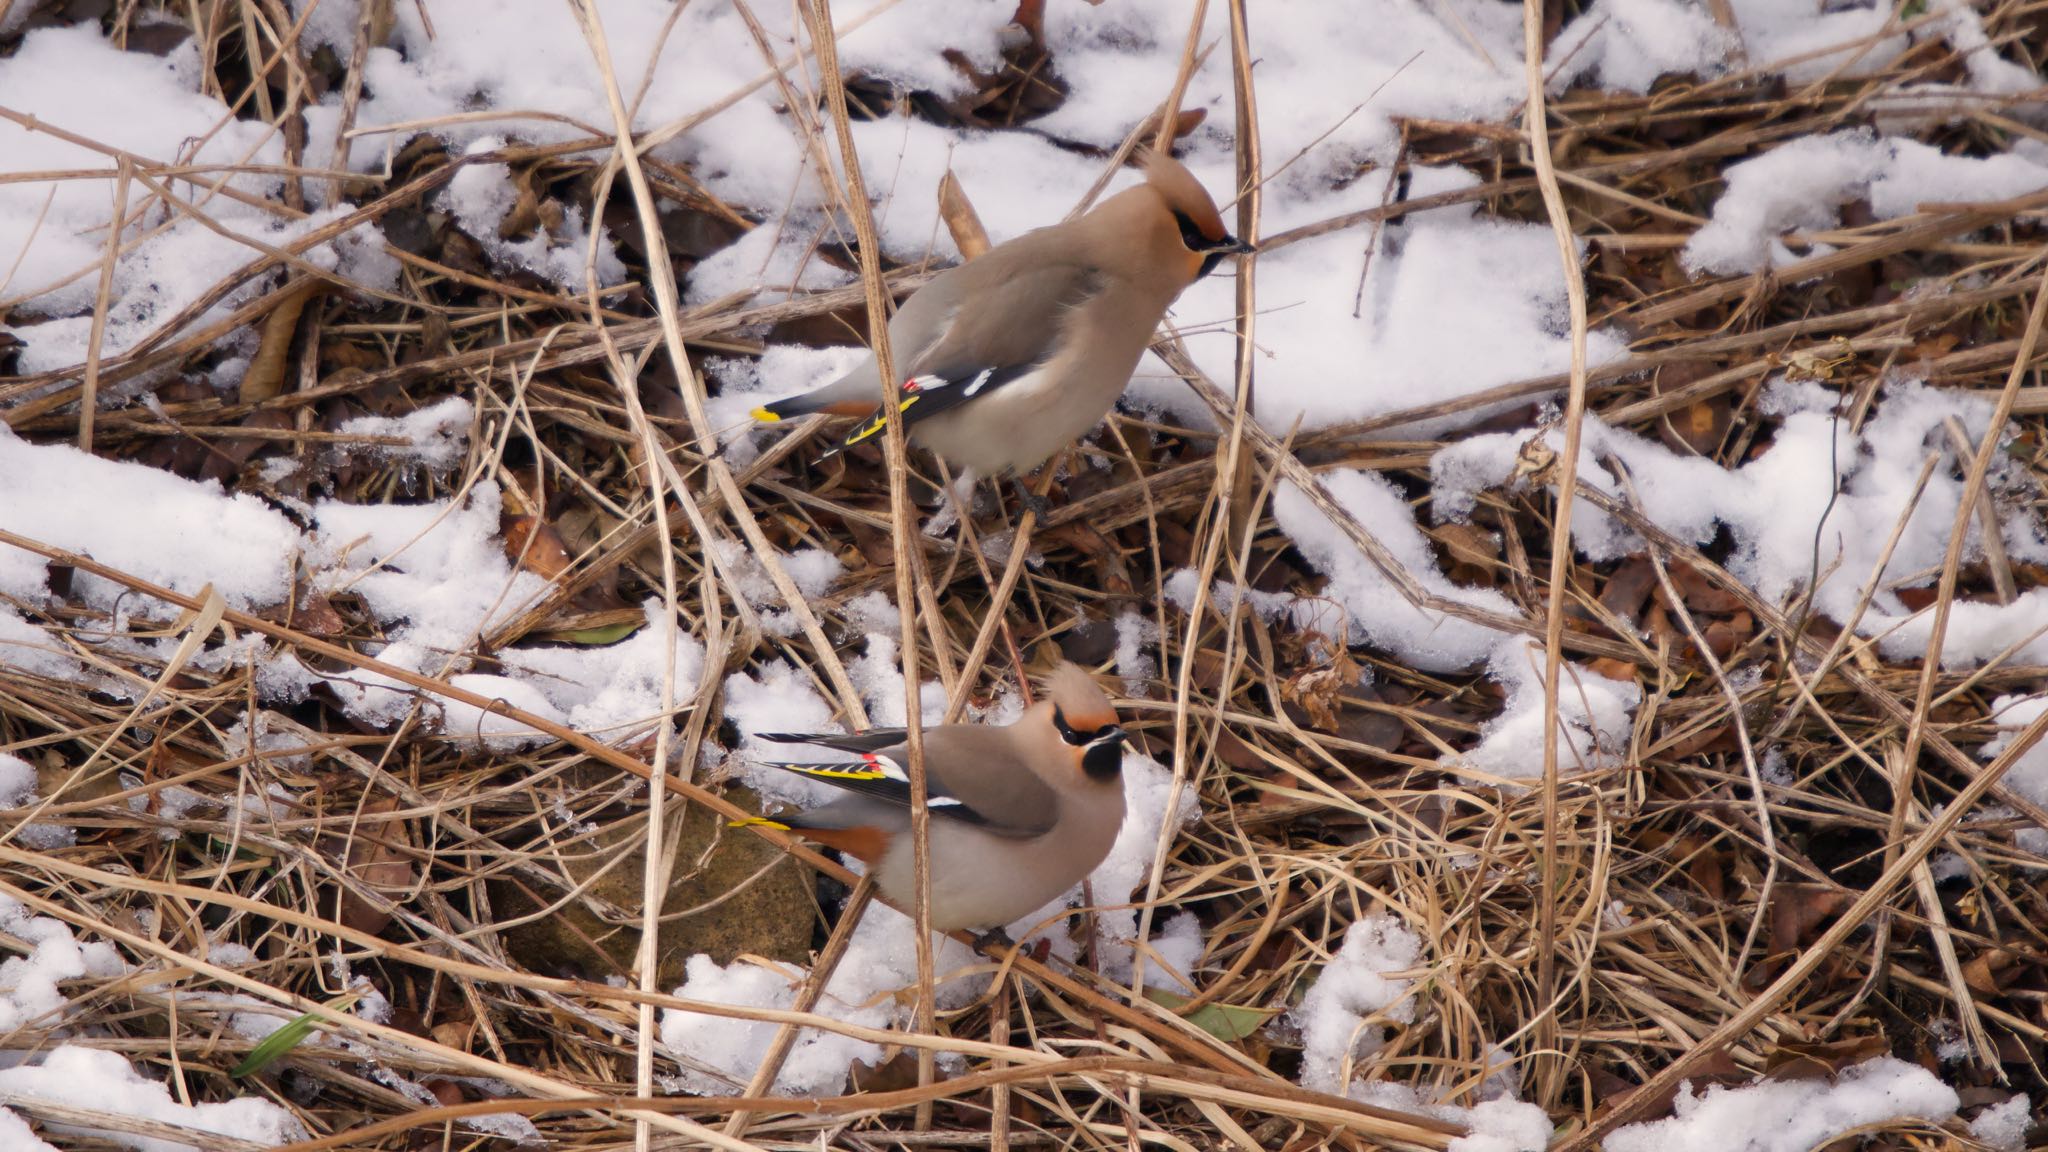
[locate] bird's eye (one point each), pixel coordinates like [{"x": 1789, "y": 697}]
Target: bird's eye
[
  {"x": 1067, "y": 732},
  {"x": 1191, "y": 233},
  {"x": 1084, "y": 737}
]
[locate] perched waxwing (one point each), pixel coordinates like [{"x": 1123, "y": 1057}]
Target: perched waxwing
[
  {"x": 1019, "y": 814},
  {"x": 1009, "y": 358}
]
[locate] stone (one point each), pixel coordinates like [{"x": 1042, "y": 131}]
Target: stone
[{"x": 771, "y": 917}]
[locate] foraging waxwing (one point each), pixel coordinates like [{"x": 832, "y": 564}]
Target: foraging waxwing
[
  {"x": 1019, "y": 814},
  {"x": 1009, "y": 358}
]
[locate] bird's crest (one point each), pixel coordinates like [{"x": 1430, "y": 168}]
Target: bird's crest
[
  {"x": 1080, "y": 701},
  {"x": 1185, "y": 196}
]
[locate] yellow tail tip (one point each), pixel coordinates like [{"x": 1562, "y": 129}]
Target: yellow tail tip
[
  {"x": 765, "y": 416},
  {"x": 758, "y": 822}
]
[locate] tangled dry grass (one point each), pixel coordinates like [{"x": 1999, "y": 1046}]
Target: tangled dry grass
[{"x": 1675, "y": 915}]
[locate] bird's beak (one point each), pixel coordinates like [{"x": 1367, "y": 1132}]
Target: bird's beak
[
  {"x": 1232, "y": 246},
  {"x": 1111, "y": 735}
]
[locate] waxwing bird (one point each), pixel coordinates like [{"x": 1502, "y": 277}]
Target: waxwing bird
[
  {"x": 1019, "y": 814},
  {"x": 1009, "y": 358}
]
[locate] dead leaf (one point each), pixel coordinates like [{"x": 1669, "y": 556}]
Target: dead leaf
[
  {"x": 1822, "y": 363},
  {"x": 1716, "y": 1067},
  {"x": 448, "y": 1092},
  {"x": 1314, "y": 690},
  {"x": 454, "y": 1034},
  {"x": 1697, "y": 428},
  {"x": 533, "y": 544},
  {"x": 1368, "y": 726},
  {"x": 1184, "y": 122},
  {"x": 315, "y": 614},
  {"x": 524, "y": 216},
  {"x": 1208, "y": 670},
  {"x": 1982, "y": 971},
  {"x": 1614, "y": 668},
  {"x": 1469, "y": 543},
  {"x": 265, "y": 378},
  {"x": 1534, "y": 462},
  {"x": 379, "y": 857},
  {"x": 1797, "y": 1061},
  {"x": 1702, "y": 594},
  {"x": 1232, "y": 750},
  {"x": 1725, "y": 636},
  {"x": 962, "y": 222},
  {"x": 897, "y": 1073},
  {"x": 1797, "y": 912},
  {"x": 1933, "y": 348},
  {"x": 1628, "y": 588}
]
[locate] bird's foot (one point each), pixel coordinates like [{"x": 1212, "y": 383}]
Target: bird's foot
[
  {"x": 1034, "y": 503},
  {"x": 993, "y": 943}
]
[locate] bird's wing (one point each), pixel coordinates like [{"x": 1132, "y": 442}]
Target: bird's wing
[
  {"x": 1020, "y": 306},
  {"x": 972, "y": 775},
  {"x": 872, "y": 740}
]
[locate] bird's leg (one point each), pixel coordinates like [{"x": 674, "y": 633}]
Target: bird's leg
[
  {"x": 1033, "y": 494},
  {"x": 1033, "y": 502},
  {"x": 994, "y": 943}
]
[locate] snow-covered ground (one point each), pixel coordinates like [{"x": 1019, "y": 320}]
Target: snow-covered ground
[{"x": 1452, "y": 303}]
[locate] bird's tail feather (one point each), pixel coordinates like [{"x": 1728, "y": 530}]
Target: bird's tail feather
[{"x": 779, "y": 410}]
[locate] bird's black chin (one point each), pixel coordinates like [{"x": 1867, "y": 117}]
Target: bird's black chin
[
  {"x": 1102, "y": 761},
  {"x": 1228, "y": 246}
]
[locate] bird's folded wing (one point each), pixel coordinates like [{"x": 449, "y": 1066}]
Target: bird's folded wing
[
  {"x": 972, "y": 774},
  {"x": 1021, "y": 300},
  {"x": 872, "y": 740},
  {"x": 928, "y": 395},
  {"x": 882, "y": 778}
]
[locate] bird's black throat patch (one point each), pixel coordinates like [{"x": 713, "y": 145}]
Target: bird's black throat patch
[{"x": 1103, "y": 761}]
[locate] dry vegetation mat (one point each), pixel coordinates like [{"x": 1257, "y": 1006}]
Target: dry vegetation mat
[{"x": 379, "y": 517}]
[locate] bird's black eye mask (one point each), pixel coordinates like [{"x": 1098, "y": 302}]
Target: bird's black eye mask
[
  {"x": 1102, "y": 755},
  {"x": 1191, "y": 235}
]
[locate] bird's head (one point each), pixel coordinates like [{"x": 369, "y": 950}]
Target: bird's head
[
  {"x": 1086, "y": 722},
  {"x": 1201, "y": 228}
]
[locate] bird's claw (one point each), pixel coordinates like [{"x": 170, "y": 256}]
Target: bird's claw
[
  {"x": 993, "y": 943},
  {"x": 1035, "y": 504}
]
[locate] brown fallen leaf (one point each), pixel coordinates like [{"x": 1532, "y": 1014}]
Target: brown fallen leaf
[
  {"x": 1184, "y": 121},
  {"x": 1725, "y": 636},
  {"x": 1315, "y": 690},
  {"x": 1232, "y": 750},
  {"x": 1469, "y": 544},
  {"x": 1797, "y": 912},
  {"x": 1614, "y": 668},
  {"x": 1208, "y": 670},
  {"x": 1702, "y": 594},
  {"x": 1799, "y": 1061},
  {"x": 1717, "y": 1067},
  {"x": 533, "y": 544},
  {"x": 315, "y": 614},
  {"x": 454, "y": 1034},
  {"x": 963, "y": 223},
  {"x": 1982, "y": 972},
  {"x": 265, "y": 378},
  {"x": 448, "y": 1092},
  {"x": 379, "y": 856},
  {"x": 894, "y": 1074}
]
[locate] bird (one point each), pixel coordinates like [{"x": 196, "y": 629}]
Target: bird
[
  {"x": 1019, "y": 813},
  {"x": 1007, "y": 359}
]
